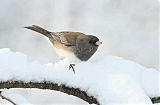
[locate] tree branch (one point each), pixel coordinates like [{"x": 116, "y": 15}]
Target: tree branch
[
  {"x": 52, "y": 86},
  {"x": 156, "y": 100}
]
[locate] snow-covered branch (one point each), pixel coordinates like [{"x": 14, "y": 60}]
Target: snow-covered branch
[
  {"x": 52, "y": 86},
  {"x": 109, "y": 79}
]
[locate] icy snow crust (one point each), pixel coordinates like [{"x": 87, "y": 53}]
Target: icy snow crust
[{"x": 111, "y": 79}]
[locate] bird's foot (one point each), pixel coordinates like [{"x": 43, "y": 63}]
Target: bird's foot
[{"x": 71, "y": 66}]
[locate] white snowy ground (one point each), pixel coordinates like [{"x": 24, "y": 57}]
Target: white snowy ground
[{"x": 112, "y": 80}]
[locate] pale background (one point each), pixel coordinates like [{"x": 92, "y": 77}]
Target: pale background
[{"x": 127, "y": 28}]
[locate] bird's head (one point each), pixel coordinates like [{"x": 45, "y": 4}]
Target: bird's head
[
  {"x": 86, "y": 46},
  {"x": 93, "y": 40},
  {"x": 88, "y": 41}
]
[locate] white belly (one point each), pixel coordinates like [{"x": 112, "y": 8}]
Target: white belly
[{"x": 67, "y": 55}]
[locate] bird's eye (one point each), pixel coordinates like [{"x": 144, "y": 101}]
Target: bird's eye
[
  {"x": 90, "y": 41},
  {"x": 93, "y": 40}
]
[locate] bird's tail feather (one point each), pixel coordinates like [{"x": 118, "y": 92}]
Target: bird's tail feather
[{"x": 39, "y": 30}]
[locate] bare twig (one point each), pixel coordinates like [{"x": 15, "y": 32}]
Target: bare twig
[{"x": 3, "y": 97}]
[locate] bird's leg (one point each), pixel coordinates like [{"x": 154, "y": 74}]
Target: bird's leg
[{"x": 71, "y": 66}]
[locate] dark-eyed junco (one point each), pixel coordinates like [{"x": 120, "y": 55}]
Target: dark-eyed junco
[{"x": 75, "y": 46}]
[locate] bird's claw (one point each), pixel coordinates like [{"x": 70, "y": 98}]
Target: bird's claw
[{"x": 71, "y": 66}]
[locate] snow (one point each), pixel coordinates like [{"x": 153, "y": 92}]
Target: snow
[
  {"x": 16, "y": 98},
  {"x": 40, "y": 97},
  {"x": 4, "y": 102},
  {"x": 111, "y": 79}
]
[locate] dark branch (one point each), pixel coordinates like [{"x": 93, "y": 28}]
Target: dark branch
[
  {"x": 52, "y": 86},
  {"x": 3, "y": 97},
  {"x": 156, "y": 100}
]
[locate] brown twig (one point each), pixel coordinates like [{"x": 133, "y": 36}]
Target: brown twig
[{"x": 3, "y": 97}]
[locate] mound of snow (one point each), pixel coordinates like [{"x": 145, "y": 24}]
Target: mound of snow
[{"x": 111, "y": 79}]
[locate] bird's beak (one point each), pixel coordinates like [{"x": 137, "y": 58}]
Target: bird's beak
[{"x": 98, "y": 43}]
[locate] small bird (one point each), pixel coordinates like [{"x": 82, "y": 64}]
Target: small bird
[{"x": 75, "y": 46}]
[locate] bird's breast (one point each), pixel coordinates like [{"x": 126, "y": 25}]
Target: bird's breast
[{"x": 65, "y": 52}]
